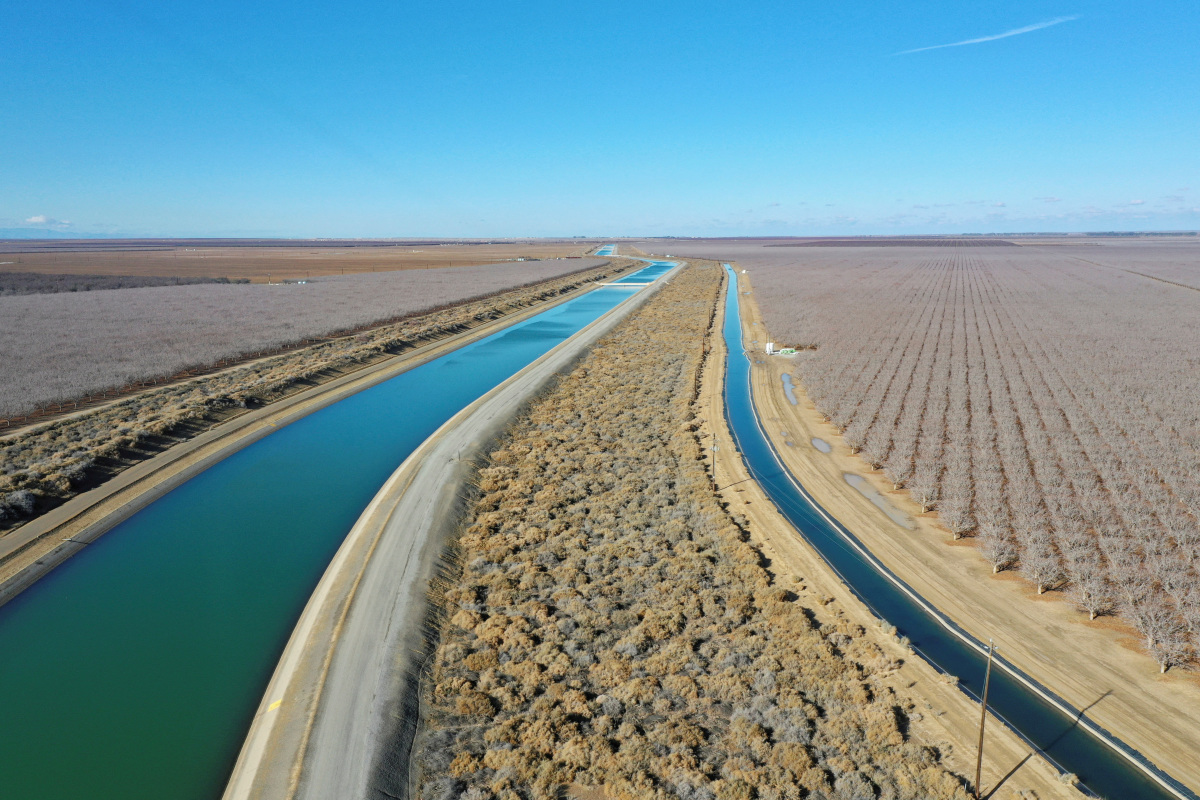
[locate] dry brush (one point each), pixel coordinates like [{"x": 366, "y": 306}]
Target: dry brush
[{"x": 612, "y": 626}]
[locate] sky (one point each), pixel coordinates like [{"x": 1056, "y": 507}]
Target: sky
[{"x": 485, "y": 119}]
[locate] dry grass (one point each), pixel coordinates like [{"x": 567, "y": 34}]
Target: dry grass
[
  {"x": 57, "y": 348},
  {"x": 612, "y": 626},
  {"x": 42, "y": 467}
]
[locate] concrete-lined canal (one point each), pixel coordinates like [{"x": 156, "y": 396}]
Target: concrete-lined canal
[
  {"x": 1059, "y": 734},
  {"x": 133, "y": 670}
]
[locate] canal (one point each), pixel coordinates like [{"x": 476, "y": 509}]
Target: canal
[
  {"x": 1060, "y": 736},
  {"x": 133, "y": 669}
]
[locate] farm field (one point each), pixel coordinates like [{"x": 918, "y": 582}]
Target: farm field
[
  {"x": 612, "y": 626},
  {"x": 43, "y": 464},
  {"x": 1041, "y": 399},
  {"x": 59, "y": 347},
  {"x": 255, "y": 260},
  {"x": 51, "y": 283}
]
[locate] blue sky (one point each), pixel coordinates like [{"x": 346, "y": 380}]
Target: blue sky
[{"x": 549, "y": 118}]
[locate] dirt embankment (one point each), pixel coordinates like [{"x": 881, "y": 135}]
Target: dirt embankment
[
  {"x": 137, "y": 472},
  {"x": 342, "y": 704},
  {"x": 1096, "y": 665},
  {"x": 614, "y": 632}
]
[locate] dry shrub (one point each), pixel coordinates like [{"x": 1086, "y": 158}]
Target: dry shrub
[{"x": 624, "y": 629}]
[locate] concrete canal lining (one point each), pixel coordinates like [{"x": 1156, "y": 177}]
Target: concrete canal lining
[{"x": 340, "y": 708}]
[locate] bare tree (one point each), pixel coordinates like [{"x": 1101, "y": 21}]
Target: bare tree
[
  {"x": 898, "y": 468},
  {"x": 1164, "y": 633},
  {"x": 996, "y": 546},
  {"x": 1041, "y": 565},
  {"x": 1089, "y": 589},
  {"x": 855, "y": 436},
  {"x": 924, "y": 486}
]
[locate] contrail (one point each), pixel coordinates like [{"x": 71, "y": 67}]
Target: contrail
[{"x": 1037, "y": 26}]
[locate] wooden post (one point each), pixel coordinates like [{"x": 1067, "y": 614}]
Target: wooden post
[{"x": 987, "y": 677}]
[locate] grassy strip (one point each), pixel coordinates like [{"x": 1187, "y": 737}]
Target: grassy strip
[
  {"x": 45, "y": 466},
  {"x": 611, "y": 625}
]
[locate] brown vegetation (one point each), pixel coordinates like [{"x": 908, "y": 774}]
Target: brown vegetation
[
  {"x": 612, "y": 626},
  {"x": 1039, "y": 399},
  {"x": 42, "y": 467},
  {"x": 256, "y": 259},
  {"x": 59, "y": 347}
]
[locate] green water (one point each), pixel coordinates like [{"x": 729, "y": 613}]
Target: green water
[{"x": 134, "y": 669}]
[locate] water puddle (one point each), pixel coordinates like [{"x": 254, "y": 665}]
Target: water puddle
[
  {"x": 822, "y": 445},
  {"x": 789, "y": 389},
  {"x": 868, "y": 491}
]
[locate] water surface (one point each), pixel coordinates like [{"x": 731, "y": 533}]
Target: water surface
[{"x": 133, "y": 669}]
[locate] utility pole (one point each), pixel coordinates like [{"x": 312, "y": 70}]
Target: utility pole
[{"x": 987, "y": 677}]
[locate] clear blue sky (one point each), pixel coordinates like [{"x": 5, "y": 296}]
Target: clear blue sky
[{"x": 418, "y": 118}]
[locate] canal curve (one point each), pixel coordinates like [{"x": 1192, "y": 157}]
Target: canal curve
[
  {"x": 1103, "y": 764},
  {"x": 133, "y": 669}
]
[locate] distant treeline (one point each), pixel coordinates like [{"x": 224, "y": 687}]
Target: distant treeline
[{"x": 12, "y": 283}]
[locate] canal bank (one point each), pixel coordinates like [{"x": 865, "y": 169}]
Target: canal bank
[
  {"x": 34, "y": 549},
  {"x": 153, "y": 645},
  {"x": 345, "y": 691},
  {"x": 1095, "y": 665},
  {"x": 1051, "y": 725},
  {"x": 944, "y": 718}
]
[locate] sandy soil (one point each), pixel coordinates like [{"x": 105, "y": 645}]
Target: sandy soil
[
  {"x": 193, "y": 259},
  {"x": 1089, "y": 664},
  {"x": 34, "y": 549},
  {"x": 335, "y": 715}
]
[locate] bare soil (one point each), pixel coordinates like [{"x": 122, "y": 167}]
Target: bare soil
[{"x": 258, "y": 260}]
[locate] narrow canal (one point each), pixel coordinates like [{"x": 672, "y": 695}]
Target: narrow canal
[
  {"x": 134, "y": 669},
  {"x": 1058, "y": 735}
]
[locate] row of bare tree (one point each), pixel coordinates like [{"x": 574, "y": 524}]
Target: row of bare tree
[
  {"x": 1041, "y": 399},
  {"x": 1037, "y": 402}
]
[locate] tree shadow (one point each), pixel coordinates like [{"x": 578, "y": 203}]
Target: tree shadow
[{"x": 1074, "y": 724}]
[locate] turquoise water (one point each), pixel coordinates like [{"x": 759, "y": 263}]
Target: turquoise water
[
  {"x": 134, "y": 669},
  {"x": 1053, "y": 733}
]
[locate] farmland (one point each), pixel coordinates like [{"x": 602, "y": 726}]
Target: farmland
[
  {"x": 59, "y": 347},
  {"x": 258, "y": 260},
  {"x": 610, "y": 625},
  {"x": 43, "y": 465},
  {"x": 50, "y": 283},
  {"x": 1040, "y": 399}
]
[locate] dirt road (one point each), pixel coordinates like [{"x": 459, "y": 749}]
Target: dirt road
[
  {"x": 948, "y": 720},
  {"x": 1094, "y": 665}
]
